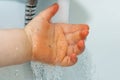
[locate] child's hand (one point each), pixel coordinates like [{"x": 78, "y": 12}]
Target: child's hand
[{"x": 55, "y": 43}]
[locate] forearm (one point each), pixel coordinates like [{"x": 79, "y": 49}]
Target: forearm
[{"x": 15, "y": 48}]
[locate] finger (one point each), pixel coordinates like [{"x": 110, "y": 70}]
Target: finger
[
  {"x": 49, "y": 12},
  {"x": 69, "y": 60},
  {"x": 70, "y": 28},
  {"x": 73, "y": 38},
  {"x": 70, "y": 49},
  {"x": 84, "y": 34},
  {"x": 79, "y": 47}
]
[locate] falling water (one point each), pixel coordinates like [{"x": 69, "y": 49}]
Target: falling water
[
  {"x": 44, "y": 71},
  {"x": 81, "y": 71},
  {"x": 16, "y": 72}
]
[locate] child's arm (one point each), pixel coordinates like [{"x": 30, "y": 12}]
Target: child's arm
[
  {"x": 43, "y": 41},
  {"x": 15, "y": 48}
]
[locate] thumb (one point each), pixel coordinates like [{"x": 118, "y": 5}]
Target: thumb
[{"x": 49, "y": 12}]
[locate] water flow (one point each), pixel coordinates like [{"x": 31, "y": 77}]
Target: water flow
[
  {"x": 16, "y": 72},
  {"x": 81, "y": 71},
  {"x": 44, "y": 71}
]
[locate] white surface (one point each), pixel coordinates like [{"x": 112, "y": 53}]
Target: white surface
[
  {"x": 63, "y": 12},
  {"x": 103, "y": 43},
  {"x": 104, "y": 39},
  {"x": 12, "y": 13}
]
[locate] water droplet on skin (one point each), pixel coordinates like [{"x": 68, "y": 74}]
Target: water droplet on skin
[
  {"x": 16, "y": 72},
  {"x": 16, "y": 48},
  {"x": 34, "y": 45}
]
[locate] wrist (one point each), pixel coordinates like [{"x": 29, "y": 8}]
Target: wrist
[{"x": 29, "y": 42}]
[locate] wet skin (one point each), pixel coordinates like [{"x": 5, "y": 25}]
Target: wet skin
[{"x": 56, "y": 43}]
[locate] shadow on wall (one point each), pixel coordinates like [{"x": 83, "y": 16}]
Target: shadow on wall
[
  {"x": 22, "y": 1},
  {"x": 78, "y": 13},
  {"x": 43, "y": 4}
]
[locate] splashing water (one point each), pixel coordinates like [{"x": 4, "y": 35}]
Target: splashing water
[
  {"x": 46, "y": 72},
  {"x": 16, "y": 73},
  {"x": 81, "y": 71}
]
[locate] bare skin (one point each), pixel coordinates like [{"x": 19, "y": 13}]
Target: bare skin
[
  {"x": 43, "y": 41},
  {"x": 55, "y": 43}
]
